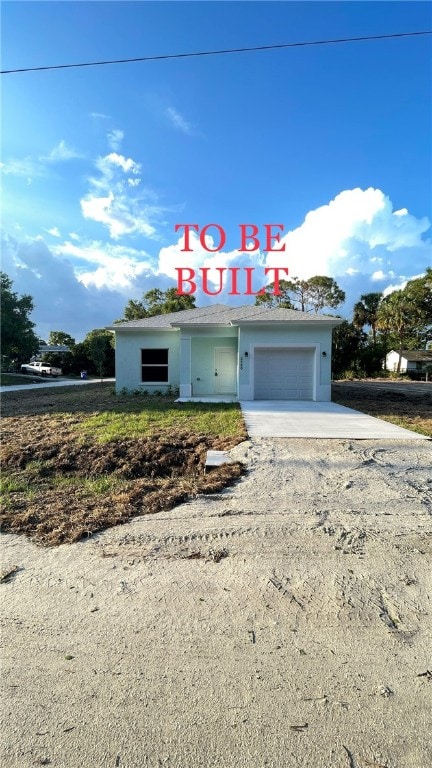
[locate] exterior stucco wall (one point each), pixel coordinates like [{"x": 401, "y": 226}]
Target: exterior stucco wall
[
  {"x": 313, "y": 337},
  {"x": 203, "y": 362},
  {"x": 128, "y": 357}
]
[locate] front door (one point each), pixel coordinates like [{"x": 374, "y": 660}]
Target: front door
[{"x": 225, "y": 371}]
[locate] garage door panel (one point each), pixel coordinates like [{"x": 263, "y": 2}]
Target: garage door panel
[{"x": 283, "y": 374}]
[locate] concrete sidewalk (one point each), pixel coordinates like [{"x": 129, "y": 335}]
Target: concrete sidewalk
[{"x": 298, "y": 418}]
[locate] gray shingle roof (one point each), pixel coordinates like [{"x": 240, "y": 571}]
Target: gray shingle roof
[
  {"x": 280, "y": 315},
  {"x": 414, "y": 355},
  {"x": 166, "y": 321},
  {"x": 220, "y": 314}
]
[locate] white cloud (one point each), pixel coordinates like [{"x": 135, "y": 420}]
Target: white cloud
[
  {"x": 402, "y": 284},
  {"x": 54, "y": 231},
  {"x": 62, "y": 152},
  {"x": 99, "y": 116},
  {"x": 74, "y": 236},
  {"x": 32, "y": 168},
  {"x": 114, "y": 159},
  {"x": 25, "y": 166},
  {"x": 110, "y": 200},
  {"x": 353, "y": 234},
  {"x": 98, "y": 209},
  {"x": 179, "y": 122},
  {"x": 115, "y": 138},
  {"x": 112, "y": 266},
  {"x": 378, "y": 275},
  {"x": 121, "y": 217}
]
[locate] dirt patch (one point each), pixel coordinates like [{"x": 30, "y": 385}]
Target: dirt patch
[
  {"x": 61, "y": 486},
  {"x": 158, "y": 456},
  {"x": 409, "y": 406}
]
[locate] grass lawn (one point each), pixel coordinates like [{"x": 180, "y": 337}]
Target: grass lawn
[
  {"x": 10, "y": 380},
  {"x": 75, "y": 462},
  {"x": 132, "y": 420}
]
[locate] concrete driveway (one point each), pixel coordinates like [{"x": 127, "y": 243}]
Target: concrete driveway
[{"x": 297, "y": 418}]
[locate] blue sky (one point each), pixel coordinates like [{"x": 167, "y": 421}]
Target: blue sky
[{"x": 99, "y": 164}]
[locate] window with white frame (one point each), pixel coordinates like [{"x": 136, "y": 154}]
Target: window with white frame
[{"x": 154, "y": 366}]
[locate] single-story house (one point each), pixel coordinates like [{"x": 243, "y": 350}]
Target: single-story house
[
  {"x": 45, "y": 349},
  {"x": 411, "y": 360},
  {"x": 244, "y": 353}
]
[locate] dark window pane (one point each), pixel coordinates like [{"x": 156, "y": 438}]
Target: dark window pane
[
  {"x": 154, "y": 373},
  {"x": 154, "y": 356}
]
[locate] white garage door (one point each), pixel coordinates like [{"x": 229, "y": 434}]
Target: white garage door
[{"x": 283, "y": 374}]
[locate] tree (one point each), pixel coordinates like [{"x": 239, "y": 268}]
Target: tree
[
  {"x": 270, "y": 300},
  {"x": 19, "y": 342},
  {"x": 157, "y": 302},
  {"x": 61, "y": 338},
  {"x": 324, "y": 292},
  {"x": 64, "y": 360},
  {"x": 366, "y": 312},
  {"x": 98, "y": 346},
  {"x": 172, "y": 302},
  {"x": 308, "y": 295},
  {"x": 347, "y": 341},
  {"x": 419, "y": 292},
  {"x": 134, "y": 310},
  {"x": 400, "y": 316}
]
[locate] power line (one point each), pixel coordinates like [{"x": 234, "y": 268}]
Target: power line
[{"x": 217, "y": 53}]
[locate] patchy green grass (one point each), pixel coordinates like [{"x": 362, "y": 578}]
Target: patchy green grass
[
  {"x": 94, "y": 487},
  {"x": 13, "y": 486},
  {"x": 414, "y": 423},
  {"x": 10, "y": 484},
  {"x": 144, "y": 417}
]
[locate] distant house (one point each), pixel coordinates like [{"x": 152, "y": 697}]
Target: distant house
[
  {"x": 414, "y": 360},
  {"x": 45, "y": 349},
  {"x": 217, "y": 352}
]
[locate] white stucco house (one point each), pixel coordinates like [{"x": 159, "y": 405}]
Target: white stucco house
[
  {"x": 411, "y": 360},
  {"x": 218, "y": 352}
]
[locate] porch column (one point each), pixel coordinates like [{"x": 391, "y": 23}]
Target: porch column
[{"x": 185, "y": 367}]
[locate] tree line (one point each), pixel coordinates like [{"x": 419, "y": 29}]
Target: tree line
[
  {"x": 401, "y": 320},
  {"x": 19, "y": 342}
]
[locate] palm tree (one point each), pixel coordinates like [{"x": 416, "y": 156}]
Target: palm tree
[{"x": 366, "y": 311}]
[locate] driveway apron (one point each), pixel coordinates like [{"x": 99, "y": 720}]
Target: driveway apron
[{"x": 298, "y": 418}]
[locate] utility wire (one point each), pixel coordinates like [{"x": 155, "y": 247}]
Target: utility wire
[{"x": 216, "y": 53}]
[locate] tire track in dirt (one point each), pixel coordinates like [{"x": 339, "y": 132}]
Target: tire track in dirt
[{"x": 397, "y": 475}]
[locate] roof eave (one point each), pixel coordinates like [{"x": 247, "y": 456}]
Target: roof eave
[
  {"x": 202, "y": 325},
  {"x": 140, "y": 328},
  {"x": 321, "y": 321}
]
